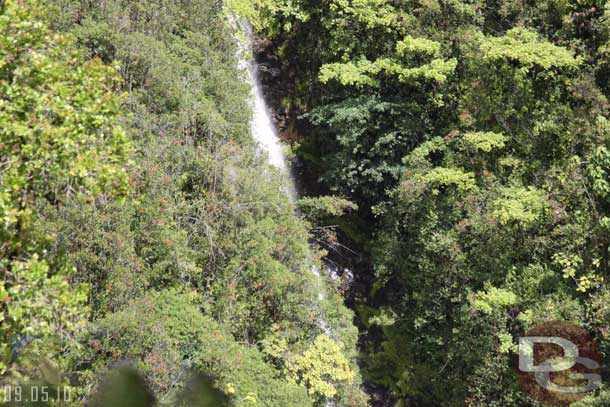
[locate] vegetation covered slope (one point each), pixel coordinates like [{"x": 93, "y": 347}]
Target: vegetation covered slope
[
  {"x": 139, "y": 226},
  {"x": 474, "y": 136}
]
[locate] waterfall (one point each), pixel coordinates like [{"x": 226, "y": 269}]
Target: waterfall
[
  {"x": 266, "y": 135},
  {"x": 261, "y": 126}
]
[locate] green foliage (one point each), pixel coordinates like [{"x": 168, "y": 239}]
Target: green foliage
[
  {"x": 165, "y": 335},
  {"x": 468, "y": 143},
  {"x": 59, "y": 138},
  {"x": 363, "y": 162},
  {"x": 483, "y": 141},
  {"x": 493, "y": 298},
  {"x": 358, "y": 73},
  {"x": 59, "y": 133},
  {"x": 320, "y": 367},
  {"x": 325, "y": 206},
  {"x": 272, "y": 15},
  {"x": 519, "y": 205},
  {"x": 440, "y": 177},
  {"x": 36, "y": 305},
  {"x": 598, "y": 171},
  {"x": 412, "y": 45},
  {"x": 473, "y": 137},
  {"x": 524, "y": 46},
  {"x": 363, "y": 72},
  {"x": 205, "y": 260},
  {"x": 594, "y": 401}
]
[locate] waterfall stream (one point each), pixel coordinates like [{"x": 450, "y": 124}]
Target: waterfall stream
[
  {"x": 266, "y": 135},
  {"x": 261, "y": 126}
]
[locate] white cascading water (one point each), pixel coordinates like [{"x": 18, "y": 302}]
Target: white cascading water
[
  {"x": 266, "y": 135},
  {"x": 262, "y": 127}
]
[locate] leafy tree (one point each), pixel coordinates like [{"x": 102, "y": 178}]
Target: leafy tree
[
  {"x": 207, "y": 215},
  {"x": 164, "y": 335},
  {"x": 473, "y": 137},
  {"x": 59, "y": 138}
]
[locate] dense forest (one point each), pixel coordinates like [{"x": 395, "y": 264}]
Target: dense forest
[{"x": 453, "y": 162}]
